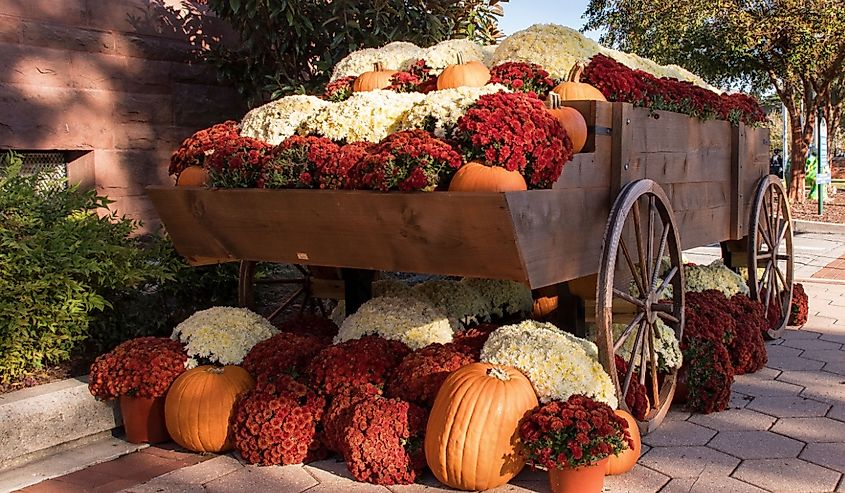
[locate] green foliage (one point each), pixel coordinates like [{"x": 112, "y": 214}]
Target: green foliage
[
  {"x": 290, "y": 46},
  {"x": 57, "y": 259}
]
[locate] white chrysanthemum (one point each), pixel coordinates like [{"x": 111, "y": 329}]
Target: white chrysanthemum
[
  {"x": 504, "y": 297},
  {"x": 440, "y": 110},
  {"x": 557, "y": 364},
  {"x": 338, "y": 314},
  {"x": 222, "y": 334},
  {"x": 462, "y": 303},
  {"x": 369, "y": 116},
  {"x": 446, "y": 53},
  {"x": 392, "y": 288},
  {"x": 714, "y": 276},
  {"x": 415, "y": 322},
  {"x": 666, "y": 346},
  {"x": 392, "y": 56},
  {"x": 278, "y": 120},
  {"x": 487, "y": 51}
]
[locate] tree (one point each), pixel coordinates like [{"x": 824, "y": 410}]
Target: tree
[
  {"x": 795, "y": 46},
  {"x": 291, "y": 45},
  {"x": 833, "y": 106}
]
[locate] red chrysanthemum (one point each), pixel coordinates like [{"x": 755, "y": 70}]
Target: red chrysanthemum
[
  {"x": 368, "y": 360},
  {"x": 339, "y": 89},
  {"x": 709, "y": 375},
  {"x": 637, "y": 398},
  {"x": 143, "y": 367},
  {"x": 800, "y": 306},
  {"x": 282, "y": 354},
  {"x": 194, "y": 150},
  {"x": 310, "y": 325},
  {"x": 420, "y": 375},
  {"x": 298, "y": 162},
  {"x": 529, "y": 78},
  {"x": 237, "y": 162},
  {"x": 472, "y": 340},
  {"x": 417, "y": 78}
]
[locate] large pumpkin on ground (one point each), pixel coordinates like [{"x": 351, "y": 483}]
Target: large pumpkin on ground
[
  {"x": 199, "y": 405},
  {"x": 470, "y": 74},
  {"x": 575, "y": 90},
  {"x": 471, "y": 441},
  {"x": 627, "y": 459},
  {"x": 571, "y": 120},
  {"x": 478, "y": 177}
]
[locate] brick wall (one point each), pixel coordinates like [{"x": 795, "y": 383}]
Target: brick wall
[{"x": 112, "y": 79}]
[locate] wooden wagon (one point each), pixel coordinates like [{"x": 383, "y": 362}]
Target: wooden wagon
[{"x": 607, "y": 239}]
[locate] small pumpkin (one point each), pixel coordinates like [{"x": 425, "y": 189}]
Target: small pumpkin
[
  {"x": 471, "y": 441},
  {"x": 471, "y": 74},
  {"x": 199, "y": 405},
  {"x": 478, "y": 177},
  {"x": 192, "y": 176},
  {"x": 378, "y": 78},
  {"x": 575, "y": 90},
  {"x": 570, "y": 119},
  {"x": 545, "y": 302},
  {"x": 627, "y": 459}
]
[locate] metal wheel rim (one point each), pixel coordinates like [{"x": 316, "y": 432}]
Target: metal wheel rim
[
  {"x": 617, "y": 255},
  {"x": 770, "y": 230}
]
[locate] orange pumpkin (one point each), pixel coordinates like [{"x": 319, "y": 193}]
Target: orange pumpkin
[
  {"x": 570, "y": 119},
  {"x": 575, "y": 90},
  {"x": 471, "y": 441},
  {"x": 192, "y": 176},
  {"x": 199, "y": 405},
  {"x": 625, "y": 461},
  {"x": 471, "y": 74},
  {"x": 378, "y": 78},
  {"x": 545, "y": 302},
  {"x": 478, "y": 177}
]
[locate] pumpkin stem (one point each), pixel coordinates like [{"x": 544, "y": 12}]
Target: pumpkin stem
[
  {"x": 460, "y": 58},
  {"x": 499, "y": 373},
  {"x": 377, "y": 67},
  {"x": 217, "y": 370},
  {"x": 553, "y": 101},
  {"x": 575, "y": 73}
]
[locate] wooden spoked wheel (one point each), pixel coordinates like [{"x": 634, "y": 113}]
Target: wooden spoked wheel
[
  {"x": 632, "y": 292},
  {"x": 770, "y": 250},
  {"x": 301, "y": 290}
]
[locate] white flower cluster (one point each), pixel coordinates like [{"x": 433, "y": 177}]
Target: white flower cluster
[
  {"x": 440, "y": 110},
  {"x": 504, "y": 297},
  {"x": 392, "y": 56},
  {"x": 557, "y": 48},
  {"x": 278, "y": 120},
  {"x": 222, "y": 334},
  {"x": 393, "y": 288},
  {"x": 446, "y": 53},
  {"x": 369, "y": 116},
  {"x": 462, "y": 303},
  {"x": 666, "y": 347},
  {"x": 557, "y": 364},
  {"x": 412, "y": 321},
  {"x": 714, "y": 276}
]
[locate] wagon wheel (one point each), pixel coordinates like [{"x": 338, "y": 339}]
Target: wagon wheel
[
  {"x": 770, "y": 249},
  {"x": 247, "y": 283},
  {"x": 641, "y": 230}
]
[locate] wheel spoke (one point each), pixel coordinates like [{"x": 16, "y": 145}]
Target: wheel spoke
[
  {"x": 780, "y": 275},
  {"x": 765, "y": 283},
  {"x": 667, "y": 280},
  {"x": 643, "y": 353},
  {"x": 654, "y": 387},
  {"x": 633, "y": 267},
  {"x": 669, "y": 317},
  {"x": 638, "y": 233},
  {"x": 764, "y": 226},
  {"x": 627, "y": 332},
  {"x": 660, "y": 250},
  {"x": 634, "y": 352},
  {"x": 627, "y": 297},
  {"x": 651, "y": 267}
]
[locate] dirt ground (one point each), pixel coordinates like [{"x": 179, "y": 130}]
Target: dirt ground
[{"x": 834, "y": 211}]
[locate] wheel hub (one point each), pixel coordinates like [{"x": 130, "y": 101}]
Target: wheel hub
[{"x": 650, "y": 301}]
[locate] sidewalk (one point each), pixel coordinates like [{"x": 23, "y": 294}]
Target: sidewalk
[{"x": 784, "y": 432}]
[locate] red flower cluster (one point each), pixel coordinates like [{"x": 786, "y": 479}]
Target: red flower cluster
[
  {"x": 355, "y": 362},
  {"x": 529, "y": 78},
  {"x": 282, "y": 354},
  {"x": 420, "y": 375},
  {"x": 417, "y": 78},
  {"x": 237, "y": 162},
  {"x": 310, "y": 325},
  {"x": 339, "y": 89},
  {"x": 620, "y": 83},
  {"x": 143, "y": 367},
  {"x": 277, "y": 424},
  {"x": 707, "y": 318},
  {"x": 472, "y": 340},
  {"x": 195, "y": 148},
  {"x": 336, "y": 415},
  {"x": 343, "y": 172},
  {"x": 709, "y": 374},
  {"x": 800, "y": 306},
  {"x": 408, "y": 160},
  {"x": 298, "y": 162},
  {"x": 574, "y": 433},
  {"x": 514, "y": 131},
  {"x": 381, "y": 440},
  {"x": 637, "y": 398}
]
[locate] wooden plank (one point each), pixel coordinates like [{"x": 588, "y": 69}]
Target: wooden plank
[
  {"x": 440, "y": 233},
  {"x": 597, "y": 114},
  {"x": 585, "y": 171},
  {"x": 622, "y": 169},
  {"x": 738, "y": 158},
  {"x": 704, "y": 226}
]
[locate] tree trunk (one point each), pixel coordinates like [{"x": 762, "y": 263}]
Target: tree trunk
[{"x": 800, "y": 145}]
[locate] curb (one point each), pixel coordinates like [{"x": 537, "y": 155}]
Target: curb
[
  {"x": 34, "y": 422},
  {"x": 802, "y": 226}
]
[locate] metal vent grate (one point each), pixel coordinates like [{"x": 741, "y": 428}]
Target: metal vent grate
[{"x": 54, "y": 164}]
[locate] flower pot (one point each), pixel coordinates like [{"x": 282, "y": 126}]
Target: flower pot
[
  {"x": 681, "y": 388},
  {"x": 586, "y": 479},
  {"x": 143, "y": 419}
]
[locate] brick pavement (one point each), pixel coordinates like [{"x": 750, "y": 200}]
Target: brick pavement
[{"x": 784, "y": 432}]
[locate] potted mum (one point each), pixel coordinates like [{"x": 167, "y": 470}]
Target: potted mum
[
  {"x": 573, "y": 440},
  {"x": 139, "y": 372}
]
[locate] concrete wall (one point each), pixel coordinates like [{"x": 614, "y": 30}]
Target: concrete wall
[{"x": 113, "y": 80}]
